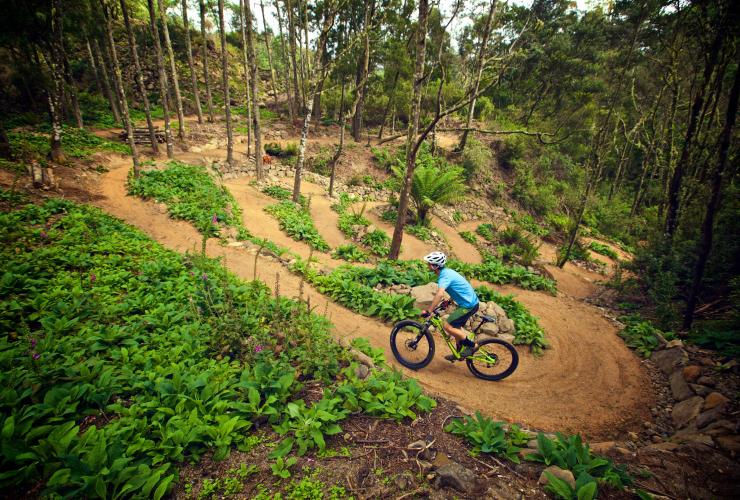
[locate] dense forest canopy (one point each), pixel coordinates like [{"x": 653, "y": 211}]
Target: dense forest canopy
[{"x": 618, "y": 120}]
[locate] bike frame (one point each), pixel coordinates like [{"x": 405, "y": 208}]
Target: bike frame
[{"x": 435, "y": 321}]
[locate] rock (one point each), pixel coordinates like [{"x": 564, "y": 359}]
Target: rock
[
  {"x": 674, "y": 343},
  {"x": 680, "y": 389},
  {"x": 693, "y": 437},
  {"x": 506, "y": 325},
  {"x": 720, "y": 428},
  {"x": 633, "y": 436},
  {"x": 667, "y": 446},
  {"x": 705, "y": 380},
  {"x": 532, "y": 443},
  {"x": 700, "y": 390},
  {"x": 507, "y": 337},
  {"x": 405, "y": 481},
  {"x": 458, "y": 477},
  {"x": 489, "y": 328},
  {"x": 669, "y": 359},
  {"x": 559, "y": 473},
  {"x": 527, "y": 451},
  {"x": 729, "y": 443},
  {"x": 707, "y": 417},
  {"x": 362, "y": 372},
  {"x": 656, "y": 438},
  {"x": 715, "y": 400},
  {"x": 603, "y": 447},
  {"x": 691, "y": 373},
  {"x": 424, "y": 294},
  {"x": 687, "y": 410}
]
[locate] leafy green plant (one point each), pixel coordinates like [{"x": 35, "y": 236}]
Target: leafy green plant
[
  {"x": 363, "y": 345},
  {"x": 274, "y": 149},
  {"x": 469, "y": 237},
  {"x": 282, "y": 465},
  {"x": 641, "y": 335},
  {"x": 377, "y": 241},
  {"x": 280, "y": 193},
  {"x": 495, "y": 271},
  {"x": 487, "y": 231},
  {"x": 76, "y": 143},
  {"x": 422, "y": 232},
  {"x": 308, "y": 426},
  {"x": 432, "y": 185},
  {"x": 585, "y": 488},
  {"x": 485, "y": 435},
  {"x": 351, "y": 253},
  {"x": 297, "y": 223},
  {"x": 603, "y": 250}
]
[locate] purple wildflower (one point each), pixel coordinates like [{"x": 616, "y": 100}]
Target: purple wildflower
[
  {"x": 258, "y": 348},
  {"x": 214, "y": 219},
  {"x": 204, "y": 277},
  {"x": 93, "y": 278},
  {"x": 36, "y": 355},
  {"x": 43, "y": 235},
  {"x": 33, "y": 342}
]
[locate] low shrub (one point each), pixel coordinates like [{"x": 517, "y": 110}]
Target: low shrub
[
  {"x": 641, "y": 335},
  {"x": 350, "y": 253},
  {"x": 487, "y": 231},
  {"x": 602, "y": 249},
  {"x": 469, "y": 237},
  {"x": 495, "y": 271},
  {"x": 422, "y": 232},
  {"x": 528, "y": 330},
  {"x": 378, "y": 242},
  {"x": 297, "y": 223}
]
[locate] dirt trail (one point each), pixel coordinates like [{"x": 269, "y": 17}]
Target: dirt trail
[
  {"x": 588, "y": 382},
  {"x": 411, "y": 246},
  {"x": 461, "y": 248}
]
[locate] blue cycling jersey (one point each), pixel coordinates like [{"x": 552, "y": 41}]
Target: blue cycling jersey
[{"x": 458, "y": 287}]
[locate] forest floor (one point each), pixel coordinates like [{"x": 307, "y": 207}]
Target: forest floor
[{"x": 587, "y": 382}]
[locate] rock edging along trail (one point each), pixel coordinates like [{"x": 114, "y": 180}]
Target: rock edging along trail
[{"x": 589, "y": 382}]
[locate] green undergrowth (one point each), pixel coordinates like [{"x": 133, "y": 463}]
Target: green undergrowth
[
  {"x": 351, "y": 253},
  {"x": 283, "y": 194},
  {"x": 190, "y": 194},
  {"x": 602, "y": 249},
  {"x": 469, "y": 236},
  {"x": 570, "y": 453},
  {"x": 352, "y": 222},
  {"x": 340, "y": 284},
  {"x": 122, "y": 360},
  {"x": 296, "y": 221},
  {"x": 528, "y": 329},
  {"x": 497, "y": 272},
  {"x": 76, "y": 143},
  {"x": 641, "y": 335}
]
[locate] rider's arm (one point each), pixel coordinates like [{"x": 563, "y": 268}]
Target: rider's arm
[{"x": 437, "y": 299}]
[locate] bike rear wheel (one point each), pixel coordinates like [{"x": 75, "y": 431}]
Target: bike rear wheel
[
  {"x": 493, "y": 359},
  {"x": 412, "y": 344}
]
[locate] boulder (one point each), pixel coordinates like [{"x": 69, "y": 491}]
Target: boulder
[
  {"x": 707, "y": 417},
  {"x": 680, "y": 389},
  {"x": 715, "y": 400},
  {"x": 691, "y": 373},
  {"x": 693, "y": 437},
  {"x": 700, "y": 390},
  {"x": 705, "y": 380},
  {"x": 687, "y": 410},
  {"x": 424, "y": 294},
  {"x": 527, "y": 451},
  {"x": 489, "y": 329},
  {"x": 603, "y": 447},
  {"x": 506, "y": 337},
  {"x": 729, "y": 443},
  {"x": 669, "y": 359},
  {"x": 674, "y": 343},
  {"x": 559, "y": 473},
  {"x": 458, "y": 477},
  {"x": 505, "y": 325}
]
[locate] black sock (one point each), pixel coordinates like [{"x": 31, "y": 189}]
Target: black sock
[{"x": 468, "y": 342}]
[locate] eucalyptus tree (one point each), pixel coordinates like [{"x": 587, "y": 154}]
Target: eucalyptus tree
[
  {"x": 191, "y": 65},
  {"x": 254, "y": 80},
  {"x": 163, "y": 84},
  {"x": 173, "y": 71},
  {"x": 225, "y": 84},
  {"x": 204, "y": 57}
]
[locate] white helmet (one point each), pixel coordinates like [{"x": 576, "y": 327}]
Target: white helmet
[{"x": 437, "y": 259}]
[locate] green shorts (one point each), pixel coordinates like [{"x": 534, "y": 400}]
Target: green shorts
[{"x": 461, "y": 315}]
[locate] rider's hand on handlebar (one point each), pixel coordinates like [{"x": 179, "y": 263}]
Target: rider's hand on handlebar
[{"x": 425, "y": 313}]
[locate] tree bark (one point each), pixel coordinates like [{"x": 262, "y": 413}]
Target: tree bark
[
  {"x": 119, "y": 83},
  {"x": 299, "y": 102},
  {"x": 269, "y": 57},
  {"x": 254, "y": 75},
  {"x": 191, "y": 65},
  {"x": 139, "y": 77},
  {"x": 70, "y": 88},
  {"x": 204, "y": 48},
  {"x": 362, "y": 74},
  {"x": 338, "y": 153},
  {"x": 94, "y": 66},
  {"x": 163, "y": 84},
  {"x": 173, "y": 70},
  {"x": 390, "y": 101},
  {"x": 109, "y": 94},
  {"x": 55, "y": 95},
  {"x": 225, "y": 83},
  {"x": 247, "y": 80},
  {"x": 413, "y": 128},
  {"x": 674, "y": 189},
  {"x": 5, "y": 151},
  {"x": 705, "y": 243},
  {"x": 286, "y": 64},
  {"x": 479, "y": 65}
]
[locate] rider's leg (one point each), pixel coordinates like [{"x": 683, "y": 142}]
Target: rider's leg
[{"x": 458, "y": 333}]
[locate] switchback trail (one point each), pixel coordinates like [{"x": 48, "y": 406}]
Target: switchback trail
[{"x": 588, "y": 382}]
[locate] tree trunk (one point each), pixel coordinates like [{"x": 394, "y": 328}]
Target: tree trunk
[
  {"x": 191, "y": 65},
  {"x": 163, "y": 85},
  {"x": 286, "y": 64},
  {"x": 247, "y": 91},
  {"x": 479, "y": 64},
  {"x": 329, "y": 13},
  {"x": 55, "y": 95},
  {"x": 94, "y": 66},
  {"x": 338, "y": 153},
  {"x": 5, "y": 151},
  {"x": 204, "y": 48},
  {"x": 269, "y": 57},
  {"x": 362, "y": 75},
  {"x": 109, "y": 94},
  {"x": 317, "y": 100},
  {"x": 139, "y": 77},
  {"x": 225, "y": 83},
  {"x": 670, "y": 151},
  {"x": 254, "y": 75},
  {"x": 626, "y": 150},
  {"x": 119, "y": 83},
  {"x": 71, "y": 90},
  {"x": 388, "y": 106},
  {"x": 413, "y": 128},
  {"x": 674, "y": 189},
  {"x": 705, "y": 243},
  {"x": 299, "y": 103},
  {"x": 173, "y": 70}
]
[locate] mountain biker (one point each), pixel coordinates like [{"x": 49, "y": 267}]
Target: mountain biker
[{"x": 464, "y": 296}]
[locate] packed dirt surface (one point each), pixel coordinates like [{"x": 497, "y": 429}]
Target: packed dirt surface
[{"x": 588, "y": 381}]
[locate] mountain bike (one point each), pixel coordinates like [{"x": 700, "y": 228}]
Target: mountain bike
[{"x": 412, "y": 344}]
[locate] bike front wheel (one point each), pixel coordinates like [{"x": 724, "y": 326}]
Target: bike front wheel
[
  {"x": 412, "y": 344},
  {"x": 493, "y": 359}
]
